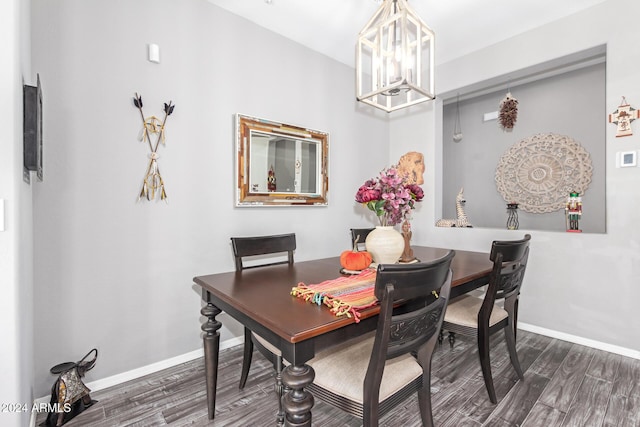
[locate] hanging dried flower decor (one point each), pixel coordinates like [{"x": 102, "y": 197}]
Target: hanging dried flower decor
[
  {"x": 153, "y": 182},
  {"x": 508, "y": 112}
]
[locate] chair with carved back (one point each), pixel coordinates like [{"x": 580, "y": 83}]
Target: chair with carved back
[
  {"x": 361, "y": 235},
  {"x": 370, "y": 375},
  {"x": 259, "y": 249},
  {"x": 482, "y": 317}
]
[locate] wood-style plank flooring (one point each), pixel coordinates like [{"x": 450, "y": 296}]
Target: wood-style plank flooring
[{"x": 565, "y": 385}]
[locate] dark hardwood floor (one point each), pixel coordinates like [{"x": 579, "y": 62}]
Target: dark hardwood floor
[{"x": 565, "y": 385}]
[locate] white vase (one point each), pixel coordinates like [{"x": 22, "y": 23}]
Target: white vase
[{"x": 385, "y": 245}]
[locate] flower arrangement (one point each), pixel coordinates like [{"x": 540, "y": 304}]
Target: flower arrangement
[{"x": 389, "y": 196}]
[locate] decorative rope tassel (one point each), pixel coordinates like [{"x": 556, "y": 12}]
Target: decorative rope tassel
[
  {"x": 162, "y": 135},
  {"x": 340, "y": 308},
  {"x": 142, "y": 135},
  {"x": 153, "y": 181},
  {"x": 163, "y": 194},
  {"x": 318, "y": 298},
  {"x": 303, "y": 292},
  {"x": 343, "y": 309},
  {"x": 145, "y": 183},
  {"x": 143, "y": 192}
]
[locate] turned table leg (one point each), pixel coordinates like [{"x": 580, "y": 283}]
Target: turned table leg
[
  {"x": 280, "y": 390},
  {"x": 297, "y": 403},
  {"x": 452, "y": 339},
  {"x": 211, "y": 343}
]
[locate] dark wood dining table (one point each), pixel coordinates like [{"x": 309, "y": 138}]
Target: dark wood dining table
[{"x": 261, "y": 300}]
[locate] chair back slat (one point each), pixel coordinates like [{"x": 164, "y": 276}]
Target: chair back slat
[
  {"x": 263, "y": 245},
  {"x": 407, "y": 331},
  {"x": 412, "y": 280},
  {"x": 509, "y": 265},
  {"x": 511, "y": 250},
  {"x": 511, "y": 277}
]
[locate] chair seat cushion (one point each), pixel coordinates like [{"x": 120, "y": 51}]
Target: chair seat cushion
[
  {"x": 341, "y": 370},
  {"x": 464, "y": 311},
  {"x": 266, "y": 344}
]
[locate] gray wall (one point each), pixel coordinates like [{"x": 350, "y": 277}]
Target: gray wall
[
  {"x": 579, "y": 287},
  {"x": 571, "y": 104},
  {"x": 117, "y": 274},
  {"x": 16, "y": 241}
]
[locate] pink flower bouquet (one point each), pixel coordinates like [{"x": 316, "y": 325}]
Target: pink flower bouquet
[{"x": 389, "y": 196}]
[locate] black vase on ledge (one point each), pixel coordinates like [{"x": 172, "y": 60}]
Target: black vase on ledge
[{"x": 512, "y": 220}]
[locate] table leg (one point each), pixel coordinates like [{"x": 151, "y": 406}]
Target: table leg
[
  {"x": 452, "y": 339},
  {"x": 280, "y": 390},
  {"x": 211, "y": 343},
  {"x": 297, "y": 403}
]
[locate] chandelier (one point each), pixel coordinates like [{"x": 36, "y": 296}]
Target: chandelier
[{"x": 395, "y": 58}]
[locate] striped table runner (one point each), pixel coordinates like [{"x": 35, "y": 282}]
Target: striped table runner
[{"x": 345, "y": 296}]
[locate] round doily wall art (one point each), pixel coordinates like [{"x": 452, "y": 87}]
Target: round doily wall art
[{"x": 540, "y": 171}]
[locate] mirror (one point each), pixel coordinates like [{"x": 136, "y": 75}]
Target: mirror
[{"x": 279, "y": 164}]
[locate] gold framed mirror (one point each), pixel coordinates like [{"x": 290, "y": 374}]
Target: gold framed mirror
[{"x": 279, "y": 164}]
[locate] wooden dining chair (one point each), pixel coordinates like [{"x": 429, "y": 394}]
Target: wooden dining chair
[
  {"x": 361, "y": 234},
  {"x": 368, "y": 376},
  {"x": 482, "y": 317},
  {"x": 245, "y": 248}
]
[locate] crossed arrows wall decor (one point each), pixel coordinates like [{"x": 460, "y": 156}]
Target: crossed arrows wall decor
[{"x": 153, "y": 182}]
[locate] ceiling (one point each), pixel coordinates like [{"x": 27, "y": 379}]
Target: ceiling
[{"x": 461, "y": 26}]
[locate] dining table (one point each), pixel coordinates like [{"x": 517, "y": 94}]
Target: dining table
[{"x": 261, "y": 299}]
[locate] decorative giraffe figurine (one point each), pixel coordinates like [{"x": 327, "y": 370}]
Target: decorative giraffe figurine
[{"x": 462, "y": 220}]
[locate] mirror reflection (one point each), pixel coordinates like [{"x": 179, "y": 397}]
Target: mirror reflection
[
  {"x": 284, "y": 165},
  {"x": 280, "y": 164}
]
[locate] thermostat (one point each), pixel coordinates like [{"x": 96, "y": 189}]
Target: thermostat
[{"x": 626, "y": 159}]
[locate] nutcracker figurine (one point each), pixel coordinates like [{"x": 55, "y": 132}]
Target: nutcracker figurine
[{"x": 573, "y": 212}]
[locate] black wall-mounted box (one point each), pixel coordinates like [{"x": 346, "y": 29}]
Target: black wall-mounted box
[{"x": 32, "y": 139}]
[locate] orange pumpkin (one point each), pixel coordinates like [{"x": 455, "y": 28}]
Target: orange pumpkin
[{"x": 354, "y": 259}]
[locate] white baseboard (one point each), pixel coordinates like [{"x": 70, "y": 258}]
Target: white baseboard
[
  {"x": 155, "y": 367},
  {"x": 142, "y": 371},
  {"x": 168, "y": 363},
  {"x": 627, "y": 352}
]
